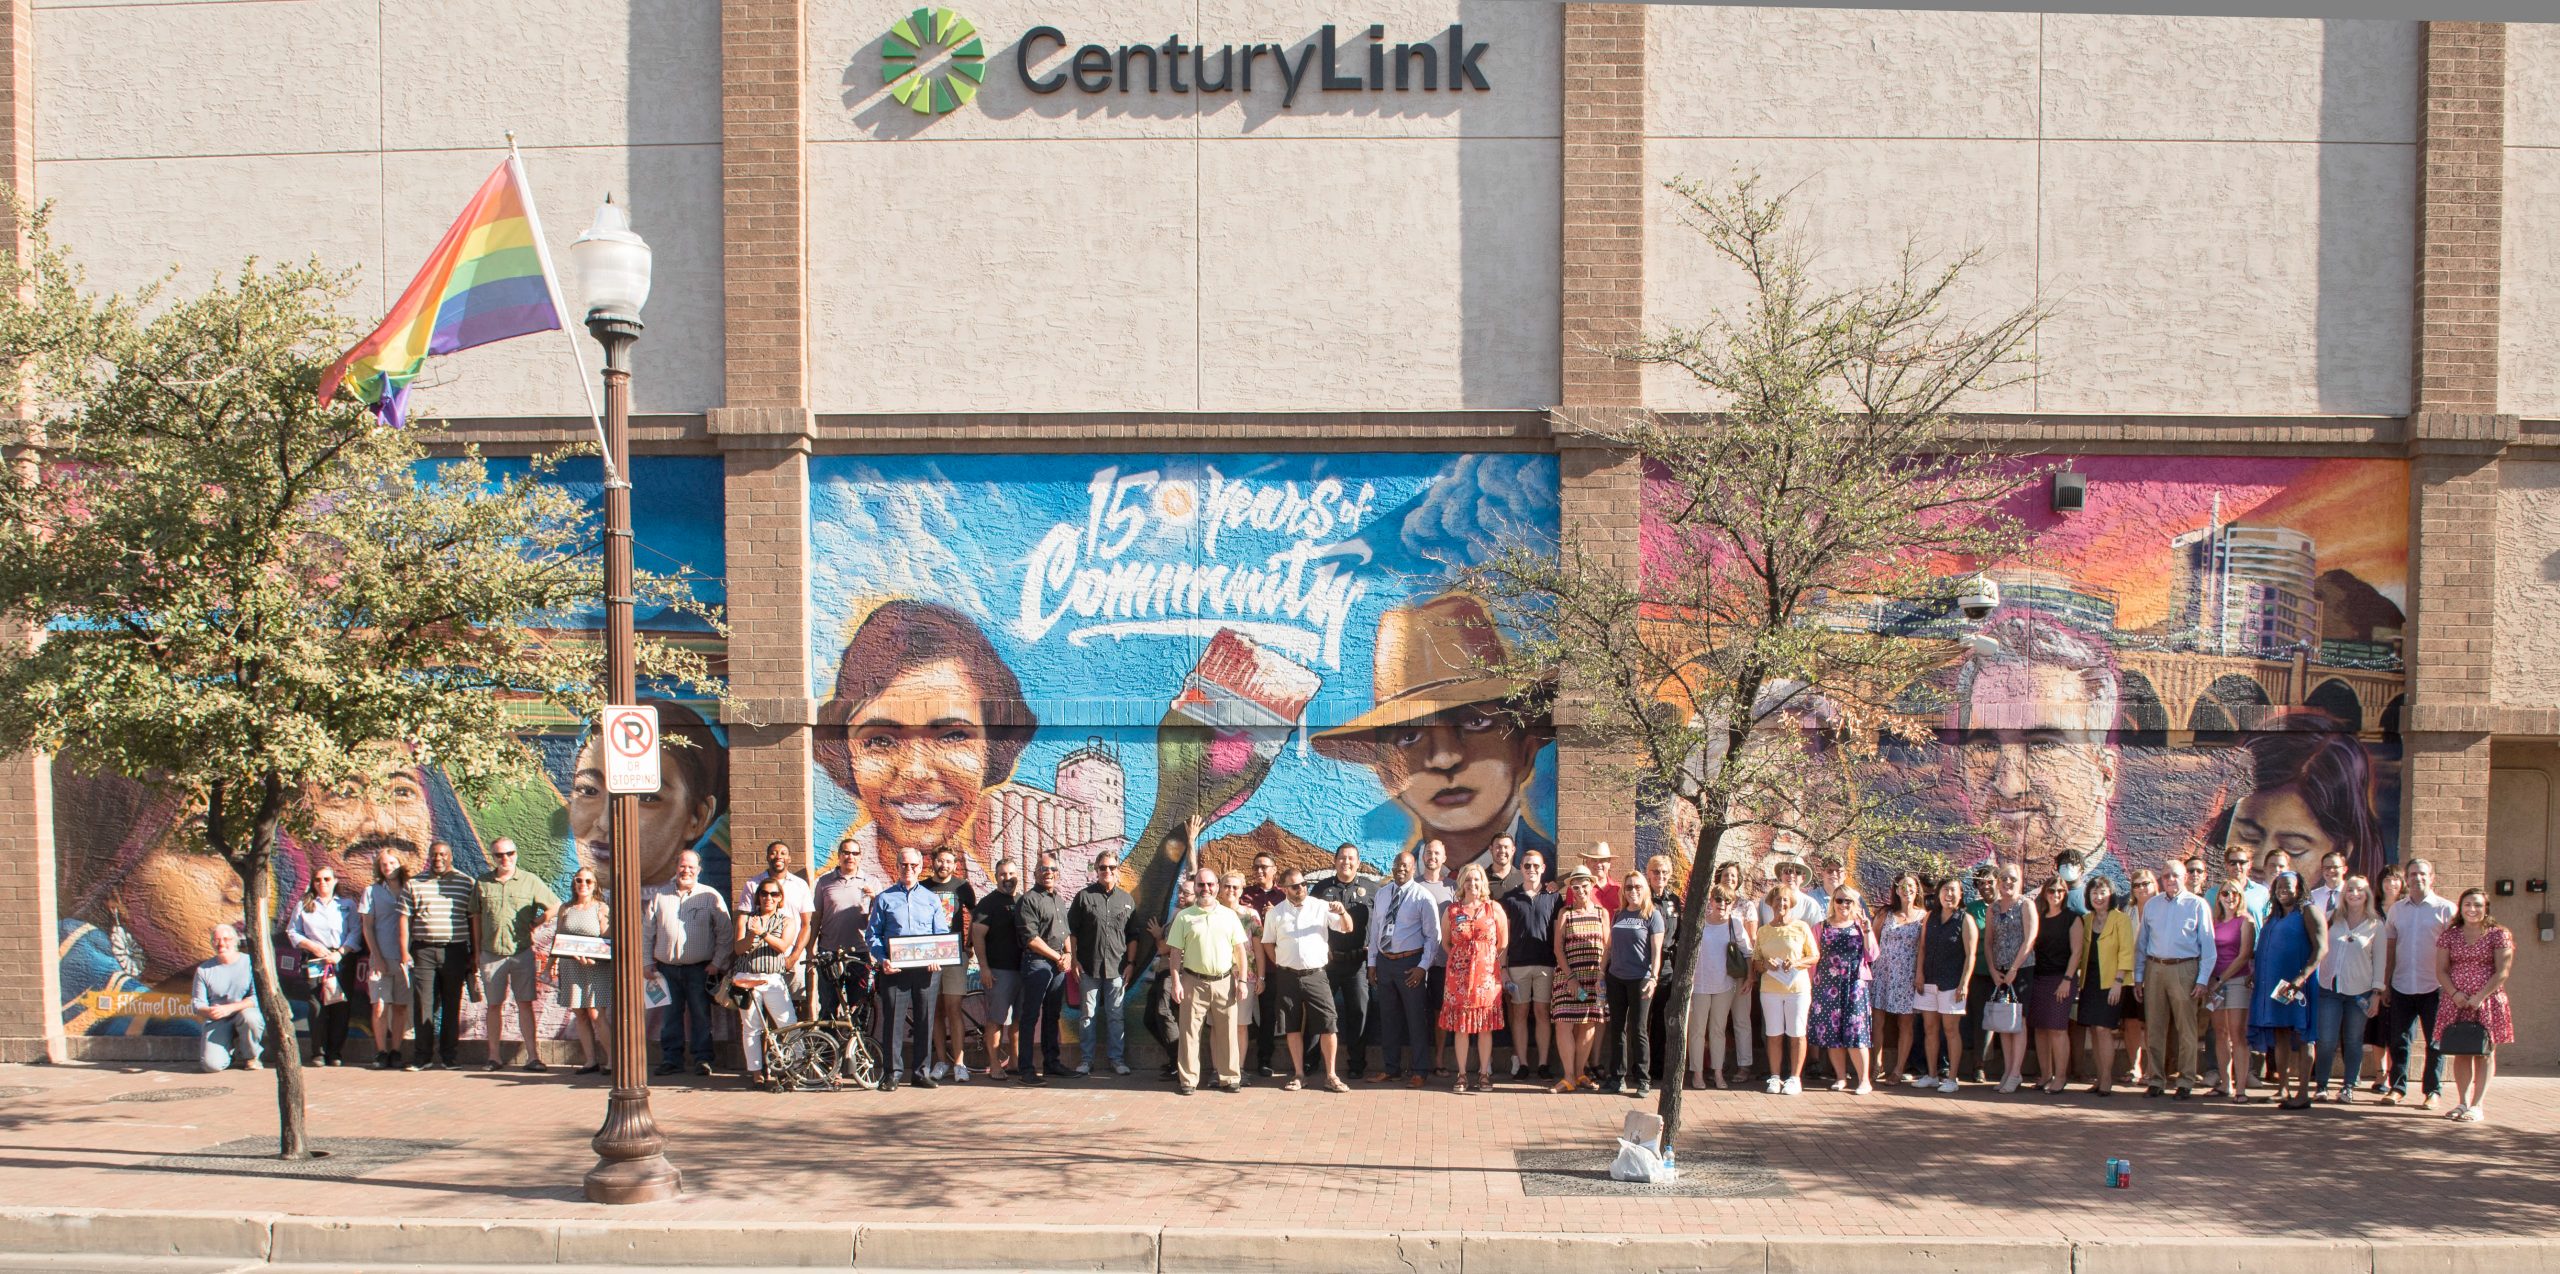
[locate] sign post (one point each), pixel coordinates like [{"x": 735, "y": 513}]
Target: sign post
[{"x": 630, "y": 750}]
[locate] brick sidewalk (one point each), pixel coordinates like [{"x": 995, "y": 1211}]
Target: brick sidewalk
[{"x": 1131, "y": 1152}]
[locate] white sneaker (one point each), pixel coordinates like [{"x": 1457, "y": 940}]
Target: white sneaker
[
  {"x": 1795, "y": 1088},
  {"x": 1516, "y": 1068},
  {"x": 1776, "y": 1085},
  {"x": 1839, "y": 1085},
  {"x": 1923, "y": 1081},
  {"x": 2009, "y": 1085},
  {"x": 1946, "y": 1085},
  {"x": 1119, "y": 1068},
  {"x": 1863, "y": 1089},
  {"x": 959, "y": 1074},
  {"x": 941, "y": 1071},
  {"x": 2472, "y": 1115},
  {"x": 1083, "y": 1071}
]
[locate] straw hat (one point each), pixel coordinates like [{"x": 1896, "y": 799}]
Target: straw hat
[
  {"x": 1430, "y": 658},
  {"x": 1599, "y": 853}
]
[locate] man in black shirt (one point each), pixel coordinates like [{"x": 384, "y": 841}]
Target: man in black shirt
[
  {"x": 1531, "y": 912},
  {"x": 1347, "y": 970},
  {"x": 1106, "y": 959},
  {"x": 1040, "y": 921},
  {"x": 999, "y": 942},
  {"x": 951, "y": 981}
]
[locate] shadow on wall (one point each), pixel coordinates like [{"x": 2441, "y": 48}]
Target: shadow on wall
[{"x": 2369, "y": 88}]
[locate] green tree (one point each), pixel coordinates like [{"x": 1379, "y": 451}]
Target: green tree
[
  {"x": 1740, "y": 676},
  {"x": 227, "y": 590}
]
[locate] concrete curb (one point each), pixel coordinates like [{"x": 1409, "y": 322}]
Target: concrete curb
[{"x": 390, "y": 1242}]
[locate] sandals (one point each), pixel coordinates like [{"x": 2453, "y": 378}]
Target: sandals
[
  {"x": 1565, "y": 1085},
  {"x": 1293, "y": 1085}
]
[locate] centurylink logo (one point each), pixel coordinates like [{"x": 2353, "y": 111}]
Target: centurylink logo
[
  {"x": 935, "y": 61},
  {"x": 908, "y": 61}
]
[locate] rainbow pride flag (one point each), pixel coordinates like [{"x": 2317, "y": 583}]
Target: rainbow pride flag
[{"x": 488, "y": 279}]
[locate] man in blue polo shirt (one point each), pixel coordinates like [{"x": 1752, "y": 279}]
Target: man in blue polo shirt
[{"x": 907, "y": 909}]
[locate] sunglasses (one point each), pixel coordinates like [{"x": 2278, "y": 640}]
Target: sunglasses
[{"x": 1295, "y": 884}]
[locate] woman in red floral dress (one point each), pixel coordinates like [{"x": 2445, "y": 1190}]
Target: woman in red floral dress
[
  {"x": 2473, "y": 957},
  {"x": 1475, "y": 935}
]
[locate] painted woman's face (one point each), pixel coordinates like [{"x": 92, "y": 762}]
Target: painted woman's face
[
  {"x": 919, "y": 752},
  {"x": 2278, "y": 820},
  {"x": 671, "y": 819},
  {"x": 1459, "y": 771}
]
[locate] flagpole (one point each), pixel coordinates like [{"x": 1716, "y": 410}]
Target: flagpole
[{"x": 559, "y": 309}]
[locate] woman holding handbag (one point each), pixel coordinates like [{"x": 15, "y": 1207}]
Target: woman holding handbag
[
  {"x": 2013, "y": 958},
  {"x": 1724, "y": 977},
  {"x": 2474, "y": 955},
  {"x": 2235, "y": 947},
  {"x": 323, "y": 928}
]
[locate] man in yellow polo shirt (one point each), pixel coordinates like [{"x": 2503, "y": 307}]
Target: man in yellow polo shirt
[{"x": 1206, "y": 946}]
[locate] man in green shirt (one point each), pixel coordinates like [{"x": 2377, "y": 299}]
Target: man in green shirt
[
  {"x": 1207, "y": 950},
  {"x": 506, "y": 907}
]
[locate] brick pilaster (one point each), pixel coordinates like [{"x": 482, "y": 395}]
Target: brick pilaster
[
  {"x": 764, "y": 430},
  {"x": 1602, "y": 312},
  {"x": 2455, "y": 435},
  {"x": 30, "y": 967}
]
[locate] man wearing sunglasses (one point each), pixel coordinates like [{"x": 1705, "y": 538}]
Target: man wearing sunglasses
[
  {"x": 1297, "y": 944},
  {"x": 506, "y": 907},
  {"x": 907, "y": 909}
]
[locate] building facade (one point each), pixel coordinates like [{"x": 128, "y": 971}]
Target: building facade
[{"x": 1131, "y": 380}]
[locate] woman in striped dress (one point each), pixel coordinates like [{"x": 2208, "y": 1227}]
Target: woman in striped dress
[{"x": 1582, "y": 958}]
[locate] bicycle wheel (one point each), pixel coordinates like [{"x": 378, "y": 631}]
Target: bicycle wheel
[
  {"x": 801, "y": 1056},
  {"x": 861, "y": 1059}
]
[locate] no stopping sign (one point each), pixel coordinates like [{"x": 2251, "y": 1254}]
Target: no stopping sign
[{"x": 630, "y": 750}]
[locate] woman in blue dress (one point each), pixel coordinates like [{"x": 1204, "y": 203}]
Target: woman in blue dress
[
  {"x": 2285, "y": 1008},
  {"x": 1842, "y": 1015}
]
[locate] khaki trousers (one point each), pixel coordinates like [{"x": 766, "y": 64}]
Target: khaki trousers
[
  {"x": 1209, "y": 1001},
  {"x": 2169, "y": 1016}
]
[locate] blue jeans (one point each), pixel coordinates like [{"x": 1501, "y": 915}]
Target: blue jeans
[
  {"x": 2341, "y": 1027},
  {"x": 1406, "y": 1039},
  {"x": 243, "y": 1035},
  {"x": 1106, "y": 1022},
  {"x": 1043, "y": 999},
  {"x": 685, "y": 1024}
]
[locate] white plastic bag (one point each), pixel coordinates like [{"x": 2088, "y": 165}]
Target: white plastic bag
[{"x": 1639, "y": 1162}]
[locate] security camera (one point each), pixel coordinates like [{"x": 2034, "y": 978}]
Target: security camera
[{"x": 1978, "y": 597}]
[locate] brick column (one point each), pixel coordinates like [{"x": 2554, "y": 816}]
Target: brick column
[
  {"x": 2455, "y": 435},
  {"x": 1603, "y": 310},
  {"x": 764, "y": 430},
  {"x": 30, "y": 967}
]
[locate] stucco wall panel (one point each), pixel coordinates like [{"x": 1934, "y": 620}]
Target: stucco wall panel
[
  {"x": 1381, "y": 274},
  {"x": 127, "y": 81},
  {"x": 674, "y": 196},
  {"x": 2229, "y": 79},
  {"x": 1859, "y": 202},
  {"x": 128, "y": 221},
  {"x": 2227, "y": 277},
  {"x": 560, "y": 73},
  {"x": 1747, "y": 72},
  {"x": 1003, "y": 276},
  {"x": 2528, "y": 584},
  {"x": 2529, "y": 300},
  {"x": 2533, "y": 84}
]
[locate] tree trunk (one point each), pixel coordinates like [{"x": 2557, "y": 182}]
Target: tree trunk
[
  {"x": 1684, "y": 971},
  {"x": 257, "y": 871}
]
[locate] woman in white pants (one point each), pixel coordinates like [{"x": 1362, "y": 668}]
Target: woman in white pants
[
  {"x": 764, "y": 941},
  {"x": 1716, "y": 1006},
  {"x": 1787, "y": 956}
]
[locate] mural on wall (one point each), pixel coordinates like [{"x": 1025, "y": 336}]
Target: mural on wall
[
  {"x": 2207, "y": 654},
  {"x": 1074, "y": 653},
  {"x": 138, "y": 891}
]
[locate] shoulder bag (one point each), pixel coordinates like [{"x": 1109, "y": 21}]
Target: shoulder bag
[{"x": 1737, "y": 957}]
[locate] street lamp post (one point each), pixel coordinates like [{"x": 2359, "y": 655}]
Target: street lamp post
[{"x": 631, "y": 1163}]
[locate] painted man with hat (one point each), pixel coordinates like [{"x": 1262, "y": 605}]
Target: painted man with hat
[{"x": 1452, "y": 744}]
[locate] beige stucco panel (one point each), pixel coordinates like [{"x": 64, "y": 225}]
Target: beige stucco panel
[
  {"x": 559, "y": 72},
  {"x": 128, "y": 221},
  {"x": 2529, "y": 331},
  {"x": 1859, "y": 202},
  {"x": 848, "y": 99},
  {"x": 2528, "y": 588},
  {"x": 674, "y": 196},
  {"x": 1026, "y": 276},
  {"x": 1718, "y": 71},
  {"x": 2229, "y": 79},
  {"x": 2533, "y": 84},
  {"x": 2227, "y": 277},
  {"x": 1384, "y": 274},
  {"x": 148, "y": 81}
]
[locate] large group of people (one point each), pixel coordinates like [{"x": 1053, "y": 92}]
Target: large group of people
[{"x": 2253, "y": 982}]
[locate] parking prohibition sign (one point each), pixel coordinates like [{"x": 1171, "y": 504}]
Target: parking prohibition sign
[{"x": 630, "y": 750}]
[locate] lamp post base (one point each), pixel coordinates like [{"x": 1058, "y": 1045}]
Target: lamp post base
[{"x": 631, "y": 1165}]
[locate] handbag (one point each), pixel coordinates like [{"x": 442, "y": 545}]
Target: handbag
[
  {"x": 1737, "y": 957},
  {"x": 2004, "y": 1015},
  {"x": 2464, "y": 1039}
]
